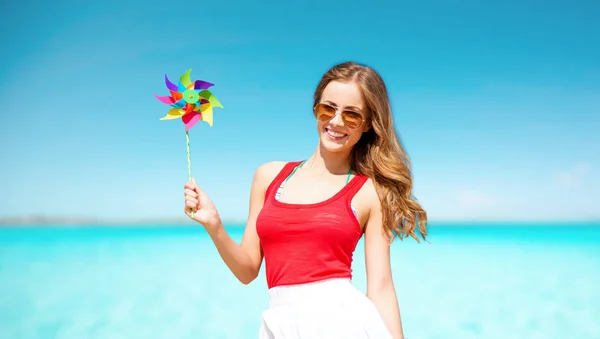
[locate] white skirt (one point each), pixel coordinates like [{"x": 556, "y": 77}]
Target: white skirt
[{"x": 328, "y": 309}]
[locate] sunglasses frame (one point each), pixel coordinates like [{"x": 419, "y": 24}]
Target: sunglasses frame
[{"x": 341, "y": 113}]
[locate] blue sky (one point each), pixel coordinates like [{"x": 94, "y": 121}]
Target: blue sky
[{"x": 497, "y": 104}]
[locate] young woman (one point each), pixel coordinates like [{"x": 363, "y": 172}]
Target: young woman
[{"x": 306, "y": 218}]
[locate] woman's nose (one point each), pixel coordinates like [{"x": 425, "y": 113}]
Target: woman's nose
[{"x": 337, "y": 120}]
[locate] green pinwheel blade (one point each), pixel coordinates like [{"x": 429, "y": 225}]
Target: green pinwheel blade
[
  {"x": 185, "y": 78},
  {"x": 206, "y": 94}
]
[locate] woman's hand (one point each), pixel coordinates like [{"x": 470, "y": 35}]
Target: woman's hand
[{"x": 198, "y": 202}]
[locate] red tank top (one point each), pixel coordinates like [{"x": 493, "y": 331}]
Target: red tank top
[{"x": 308, "y": 242}]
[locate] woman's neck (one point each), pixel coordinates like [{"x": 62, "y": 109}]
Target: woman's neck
[{"x": 323, "y": 161}]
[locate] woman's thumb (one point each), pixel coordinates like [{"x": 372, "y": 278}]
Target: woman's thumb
[{"x": 197, "y": 188}]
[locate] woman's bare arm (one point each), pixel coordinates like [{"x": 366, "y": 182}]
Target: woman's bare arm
[
  {"x": 380, "y": 286},
  {"x": 245, "y": 259}
]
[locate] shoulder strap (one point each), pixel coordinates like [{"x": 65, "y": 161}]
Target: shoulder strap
[
  {"x": 283, "y": 173},
  {"x": 355, "y": 184}
]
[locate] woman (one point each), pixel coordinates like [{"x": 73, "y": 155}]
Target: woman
[{"x": 306, "y": 218}]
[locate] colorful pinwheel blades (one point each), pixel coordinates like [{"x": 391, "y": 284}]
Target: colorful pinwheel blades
[{"x": 191, "y": 101}]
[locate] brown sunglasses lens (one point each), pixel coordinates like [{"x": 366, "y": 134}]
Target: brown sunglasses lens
[
  {"x": 352, "y": 119},
  {"x": 325, "y": 113}
]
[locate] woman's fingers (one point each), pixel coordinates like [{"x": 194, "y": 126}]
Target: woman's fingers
[
  {"x": 191, "y": 202},
  {"x": 193, "y": 187},
  {"x": 189, "y": 185},
  {"x": 190, "y": 193},
  {"x": 193, "y": 197}
]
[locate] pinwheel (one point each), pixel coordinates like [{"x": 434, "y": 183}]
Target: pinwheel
[{"x": 192, "y": 102}]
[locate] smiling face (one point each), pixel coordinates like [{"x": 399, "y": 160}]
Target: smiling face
[{"x": 335, "y": 134}]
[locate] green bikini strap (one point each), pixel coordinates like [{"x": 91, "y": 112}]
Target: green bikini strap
[
  {"x": 302, "y": 163},
  {"x": 294, "y": 171}
]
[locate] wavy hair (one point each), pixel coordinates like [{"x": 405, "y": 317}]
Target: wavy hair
[{"x": 379, "y": 153}]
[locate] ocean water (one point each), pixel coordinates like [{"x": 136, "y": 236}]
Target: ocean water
[{"x": 470, "y": 281}]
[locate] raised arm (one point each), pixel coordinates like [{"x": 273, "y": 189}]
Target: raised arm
[
  {"x": 244, "y": 260},
  {"x": 380, "y": 286}
]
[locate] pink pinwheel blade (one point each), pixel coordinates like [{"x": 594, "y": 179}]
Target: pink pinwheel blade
[
  {"x": 190, "y": 119},
  {"x": 199, "y": 84},
  {"x": 170, "y": 85},
  {"x": 165, "y": 99}
]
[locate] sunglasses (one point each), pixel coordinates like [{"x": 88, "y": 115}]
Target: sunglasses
[{"x": 324, "y": 112}]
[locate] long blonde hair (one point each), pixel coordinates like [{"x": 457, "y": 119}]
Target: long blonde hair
[{"x": 379, "y": 153}]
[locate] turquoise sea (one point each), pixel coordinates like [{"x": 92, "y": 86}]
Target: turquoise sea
[{"x": 471, "y": 281}]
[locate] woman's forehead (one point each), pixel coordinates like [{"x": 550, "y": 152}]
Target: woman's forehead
[{"x": 343, "y": 94}]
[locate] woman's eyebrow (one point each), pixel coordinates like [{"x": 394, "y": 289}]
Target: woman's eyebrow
[{"x": 334, "y": 104}]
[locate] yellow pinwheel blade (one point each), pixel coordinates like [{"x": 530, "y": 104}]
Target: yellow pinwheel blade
[
  {"x": 173, "y": 113},
  {"x": 204, "y": 107},
  {"x": 207, "y": 115}
]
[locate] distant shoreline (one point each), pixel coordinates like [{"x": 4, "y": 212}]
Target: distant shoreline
[
  {"x": 89, "y": 222},
  {"x": 41, "y": 221}
]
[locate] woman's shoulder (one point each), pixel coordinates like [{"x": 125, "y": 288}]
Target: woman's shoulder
[
  {"x": 270, "y": 169},
  {"x": 266, "y": 172},
  {"x": 368, "y": 192}
]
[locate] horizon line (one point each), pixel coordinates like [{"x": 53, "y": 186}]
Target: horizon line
[{"x": 90, "y": 222}]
